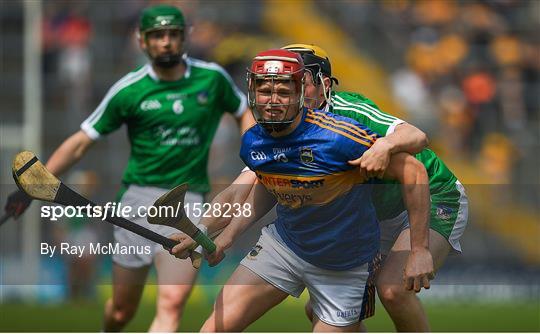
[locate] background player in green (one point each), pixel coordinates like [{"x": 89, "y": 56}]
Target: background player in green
[
  {"x": 449, "y": 207},
  {"x": 171, "y": 107}
]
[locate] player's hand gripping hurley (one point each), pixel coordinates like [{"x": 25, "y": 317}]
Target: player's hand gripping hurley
[{"x": 182, "y": 222}]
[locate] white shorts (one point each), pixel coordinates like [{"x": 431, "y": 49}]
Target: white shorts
[
  {"x": 338, "y": 298},
  {"x": 139, "y": 196}
]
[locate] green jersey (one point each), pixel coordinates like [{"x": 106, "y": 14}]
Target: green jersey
[
  {"x": 387, "y": 195},
  {"x": 363, "y": 110},
  {"x": 170, "y": 124}
]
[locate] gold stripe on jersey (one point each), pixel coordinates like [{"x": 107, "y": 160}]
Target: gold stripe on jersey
[
  {"x": 345, "y": 134},
  {"x": 327, "y": 120},
  {"x": 332, "y": 119}
]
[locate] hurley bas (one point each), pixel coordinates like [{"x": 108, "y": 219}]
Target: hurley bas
[{"x": 97, "y": 248}]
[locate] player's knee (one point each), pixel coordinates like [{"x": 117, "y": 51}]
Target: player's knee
[
  {"x": 392, "y": 294},
  {"x": 173, "y": 301},
  {"x": 225, "y": 319},
  {"x": 122, "y": 314}
]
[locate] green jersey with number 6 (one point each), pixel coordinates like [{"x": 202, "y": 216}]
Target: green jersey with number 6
[
  {"x": 170, "y": 124},
  {"x": 387, "y": 196}
]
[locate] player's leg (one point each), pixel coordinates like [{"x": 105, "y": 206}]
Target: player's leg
[
  {"x": 321, "y": 326},
  {"x": 266, "y": 276},
  {"x": 130, "y": 270},
  {"x": 449, "y": 215},
  {"x": 175, "y": 281},
  {"x": 128, "y": 285},
  {"x": 175, "y": 276},
  {"x": 403, "y": 305},
  {"x": 309, "y": 314},
  {"x": 340, "y": 300},
  {"x": 243, "y": 299}
]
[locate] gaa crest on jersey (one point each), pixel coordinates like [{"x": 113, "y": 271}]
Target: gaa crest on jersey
[
  {"x": 306, "y": 155},
  {"x": 443, "y": 212},
  {"x": 150, "y": 105},
  {"x": 254, "y": 252},
  {"x": 257, "y": 155},
  {"x": 202, "y": 97}
]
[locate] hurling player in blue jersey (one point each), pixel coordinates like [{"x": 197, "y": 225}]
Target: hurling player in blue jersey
[{"x": 326, "y": 235}]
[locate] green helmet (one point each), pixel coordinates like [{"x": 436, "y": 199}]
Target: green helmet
[{"x": 161, "y": 17}]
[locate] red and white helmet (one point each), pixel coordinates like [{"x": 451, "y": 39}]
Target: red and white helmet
[{"x": 273, "y": 67}]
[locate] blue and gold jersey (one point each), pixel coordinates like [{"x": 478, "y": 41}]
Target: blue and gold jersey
[{"x": 325, "y": 215}]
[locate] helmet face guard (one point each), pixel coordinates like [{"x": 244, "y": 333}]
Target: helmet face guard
[{"x": 276, "y": 89}]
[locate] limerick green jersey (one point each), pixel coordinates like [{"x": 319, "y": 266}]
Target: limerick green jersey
[
  {"x": 363, "y": 110},
  {"x": 387, "y": 195},
  {"x": 170, "y": 124}
]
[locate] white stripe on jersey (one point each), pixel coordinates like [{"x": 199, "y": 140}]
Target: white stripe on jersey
[
  {"x": 216, "y": 67},
  {"x": 363, "y": 112},
  {"x": 118, "y": 86},
  {"x": 376, "y": 113}
]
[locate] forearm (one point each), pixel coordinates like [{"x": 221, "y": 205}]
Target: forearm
[
  {"x": 68, "y": 153},
  {"x": 233, "y": 230},
  {"x": 415, "y": 191},
  {"x": 237, "y": 193},
  {"x": 260, "y": 202},
  {"x": 406, "y": 138}
]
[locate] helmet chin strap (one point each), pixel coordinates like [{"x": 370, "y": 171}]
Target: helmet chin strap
[{"x": 326, "y": 92}]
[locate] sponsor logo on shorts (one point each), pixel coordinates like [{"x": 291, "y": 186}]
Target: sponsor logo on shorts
[
  {"x": 348, "y": 313},
  {"x": 254, "y": 252},
  {"x": 444, "y": 212}
]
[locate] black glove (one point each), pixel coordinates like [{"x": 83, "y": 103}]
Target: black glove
[{"x": 17, "y": 203}]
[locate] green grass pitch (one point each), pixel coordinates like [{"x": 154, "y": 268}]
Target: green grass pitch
[{"x": 451, "y": 316}]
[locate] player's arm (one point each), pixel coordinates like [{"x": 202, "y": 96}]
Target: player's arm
[
  {"x": 415, "y": 189},
  {"x": 245, "y": 190},
  {"x": 246, "y": 121},
  {"x": 260, "y": 202},
  {"x": 69, "y": 152},
  {"x": 234, "y": 101},
  {"x": 237, "y": 192},
  {"x": 405, "y": 138}
]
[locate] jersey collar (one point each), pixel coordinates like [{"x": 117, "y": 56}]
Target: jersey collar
[{"x": 187, "y": 74}]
